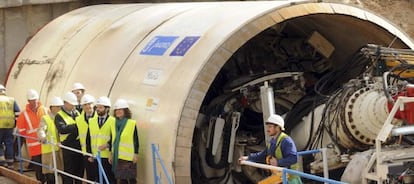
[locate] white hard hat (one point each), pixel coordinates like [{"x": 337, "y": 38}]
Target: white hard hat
[
  {"x": 70, "y": 98},
  {"x": 121, "y": 104},
  {"x": 103, "y": 100},
  {"x": 277, "y": 120},
  {"x": 56, "y": 101},
  {"x": 32, "y": 94},
  {"x": 87, "y": 98},
  {"x": 77, "y": 85},
  {"x": 2, "y": 87}
]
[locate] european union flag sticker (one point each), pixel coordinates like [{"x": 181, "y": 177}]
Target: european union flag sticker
[
  {"x": 184, "y": 46},
  {"x": 158, "y": 45}
]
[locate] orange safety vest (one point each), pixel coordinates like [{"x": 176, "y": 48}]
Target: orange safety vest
[{"x": 27, "y": 124}]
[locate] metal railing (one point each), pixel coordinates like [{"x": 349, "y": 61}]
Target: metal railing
[
  {"x": 155, "y": 155},
  {"x": 102, "y": 174},
  {"x": 286, "y": 171},
  {"x": 324, "y": 159}
]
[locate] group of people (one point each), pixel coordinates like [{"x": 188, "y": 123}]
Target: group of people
[{"x": 77, "y": 122}]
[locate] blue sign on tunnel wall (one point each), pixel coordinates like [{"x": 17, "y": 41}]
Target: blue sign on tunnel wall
[
  {"x": 184, "y": 46},
  {"x": 158, "y": 45}
]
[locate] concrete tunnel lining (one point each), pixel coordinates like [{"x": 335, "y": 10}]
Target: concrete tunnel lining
[
  {"x": 177, "y": 152},
  {"x": 212, "y": 67}
]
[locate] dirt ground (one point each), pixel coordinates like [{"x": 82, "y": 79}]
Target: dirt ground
[{"x": 399, "y": 12}]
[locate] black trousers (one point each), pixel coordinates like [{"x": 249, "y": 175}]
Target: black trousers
[
  {"x": 92, "y": 172},
  {"x": 37, "y": 168},
  {"x": 73, "y": 164}
]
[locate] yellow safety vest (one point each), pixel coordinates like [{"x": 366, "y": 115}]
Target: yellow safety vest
[
  {"x": 83, "y": 127},
  {"x": 6, "y": 112},
  {"x": 278, "y": 153},
  {"x": 126, "y": 144},
  {"x": 100, "y": 136},
  {"x": 68, "y": 120},
  {"x": 51, "y": 132}
]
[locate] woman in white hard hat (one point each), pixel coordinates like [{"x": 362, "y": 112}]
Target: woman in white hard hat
[
  {"x": 47, "y": 134},
  {"x": 125, "y": 144},
  {"x": 280, "y": 150}
]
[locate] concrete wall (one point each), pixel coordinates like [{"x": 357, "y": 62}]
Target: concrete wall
[{"x": 21, "y": 19}]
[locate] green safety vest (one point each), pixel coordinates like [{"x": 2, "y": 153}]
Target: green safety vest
[
  {"x": 51, "y": 132},
  {"x": 68, "y": 120},
  {"x": 100, "y": 136},
  {"x": 7, "y": 118},
  {"x": 278, "y": 154},
  {"x": 126, "y": 144},
  {"x": 83, "y": 127}
]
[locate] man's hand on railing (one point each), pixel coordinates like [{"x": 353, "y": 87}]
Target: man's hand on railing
[
  {"x": 273, "y": 161},
  {"x": 242, "y": 158}
]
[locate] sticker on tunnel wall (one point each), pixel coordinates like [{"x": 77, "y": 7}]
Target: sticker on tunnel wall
[
  {"x": 158, "y": 45},
  {"x": 184, "y": 46},
  {"x": 152, "y": 77},
  {"x": 152, "y": 104}
]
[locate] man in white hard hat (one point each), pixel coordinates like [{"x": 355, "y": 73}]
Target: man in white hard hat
[
  {"x": 7, "y": 123},
  {"x": 79, "y": 90},
  {"x": 47, "y": 133},
  {"x": 100, "y": 131},
  {"x": 68, "y": 135},
  {"x": 280, "y": 150},
  {"x": 28, "y": 123},
  {"x": 82, "y": 123}
]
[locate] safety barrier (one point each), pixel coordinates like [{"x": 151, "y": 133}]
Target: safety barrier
[
  {"x": 286, "y": 171},
  {"x": 155, "y": 155},
  {"x": 102, "y": 175},
  {"x": 324, "y": 159}
]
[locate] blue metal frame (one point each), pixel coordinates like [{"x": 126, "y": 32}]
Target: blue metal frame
[
  {"x": 156, "y": 154},
  {"x": 102, "y": 174}
]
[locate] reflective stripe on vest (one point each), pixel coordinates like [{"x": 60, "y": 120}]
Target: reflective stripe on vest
[
  {"x": 68, "y": 120},
  {"x": 7, "y": 115},
  {"x": 83, "y": 127},
  {"x": 34, "y": 146},
  {"x": 278, "y": 152},
  {"x": 100, "y": 136},
  {"x": 126, "y": 144},
  {"x": 51, "y": 133}
]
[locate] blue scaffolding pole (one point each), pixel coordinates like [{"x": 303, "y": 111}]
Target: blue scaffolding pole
[{"x": 155, "y": 155}]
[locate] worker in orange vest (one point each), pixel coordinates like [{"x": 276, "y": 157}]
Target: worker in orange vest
[{"x": 27, "y": 124}]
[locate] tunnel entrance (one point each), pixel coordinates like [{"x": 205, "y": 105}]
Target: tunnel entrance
[{"x": 305, "y": 60}]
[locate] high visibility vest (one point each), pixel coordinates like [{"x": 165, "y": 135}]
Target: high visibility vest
[
  {"x": 68, "y": 120},
  {"x": 83, "y": 127},
  {"x": 278, "y": 152},
  {"x": 6, "y": 112},
  {"x": 100, "y": 136},
  {"x": 27, "y": 124},
  {"x": 51, "y": 133},
  {"x": 126, "y": 142}
]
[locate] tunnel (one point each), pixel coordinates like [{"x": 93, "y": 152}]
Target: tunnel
[{"x": 177, "y": 63}]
